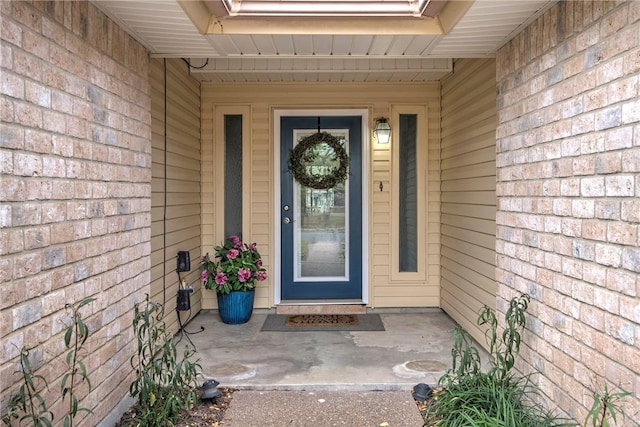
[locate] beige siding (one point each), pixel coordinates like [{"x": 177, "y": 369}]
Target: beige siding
[
  {"x": 175, "y": 220},
  {"x": 468, "y": 191},
  {"x": 379, "y": 99}
]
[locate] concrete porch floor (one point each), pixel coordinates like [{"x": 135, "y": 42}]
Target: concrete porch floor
[{"x": 414, "y": 348}]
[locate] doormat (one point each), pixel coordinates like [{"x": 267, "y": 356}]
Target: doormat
[{"x": 322, "y": 322}]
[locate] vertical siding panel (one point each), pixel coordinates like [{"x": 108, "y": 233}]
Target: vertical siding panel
[
  {"x": 433, "y": 196},
  {"x": 181, "y": 228},
  {"x": 468, "y": 191},
  {"x": 260, "y": 228}
]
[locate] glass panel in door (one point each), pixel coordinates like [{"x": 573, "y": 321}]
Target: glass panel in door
[{"x": 321, "y": 234}]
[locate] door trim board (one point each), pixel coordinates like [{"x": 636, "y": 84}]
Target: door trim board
[
  {"x": 321, "y": 308},
  {"x": 276, "y": 262}
]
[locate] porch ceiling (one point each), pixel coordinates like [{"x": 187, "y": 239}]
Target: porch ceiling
[{"x": 224, "y": 45}]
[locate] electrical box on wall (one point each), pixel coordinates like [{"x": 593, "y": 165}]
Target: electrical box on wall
[
  {"x": 184, "y": 263},
  {"x": 183, "y": 303}
]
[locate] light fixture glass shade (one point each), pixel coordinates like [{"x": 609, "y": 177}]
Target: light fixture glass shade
[{"x": 382, "y": 131}]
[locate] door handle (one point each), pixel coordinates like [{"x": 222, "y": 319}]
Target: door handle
[{"x": 286, "y": 220}]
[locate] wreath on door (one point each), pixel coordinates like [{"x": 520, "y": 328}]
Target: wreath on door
[{"x": 304, "y": 166}]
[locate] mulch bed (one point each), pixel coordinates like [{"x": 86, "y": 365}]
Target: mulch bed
[
  {"x": 207, "y": 413},
  {"x": 422, "y": 407}
]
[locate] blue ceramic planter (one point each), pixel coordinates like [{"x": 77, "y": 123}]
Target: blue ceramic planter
[{"x": 236, "y": 307}]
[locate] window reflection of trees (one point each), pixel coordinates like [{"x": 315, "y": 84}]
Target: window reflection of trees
[{"x": 321, "y": 160}]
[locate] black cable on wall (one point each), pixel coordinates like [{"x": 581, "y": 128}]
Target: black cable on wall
[{"x": 164, "y": 207}]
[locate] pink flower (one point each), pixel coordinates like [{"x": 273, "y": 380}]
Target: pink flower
[
  {"x": 203, "y": 259},
  {"x": 236, "y": 241},
  {"x": 253, "y": 246},
  {"x": 233, "y": 253},
  {"x": 221, "y": 278},
  {"x": 244, "y": 274},
  {"x": 259, "y": 263},
  {"x": 204, "y": 275},
  {"x": 261, "y": 275}
]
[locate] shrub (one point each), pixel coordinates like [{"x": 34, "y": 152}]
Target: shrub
[
  {"x": 470, "y": 397},
  {"x": 74, "y": 338},
  {"x": 605, "y": 409},
  {"x": 27, "y": 404},
  {"x": 164, "y": 385}
]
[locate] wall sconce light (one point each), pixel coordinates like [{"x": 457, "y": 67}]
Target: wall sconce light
[{"x": 382, "y": 131}]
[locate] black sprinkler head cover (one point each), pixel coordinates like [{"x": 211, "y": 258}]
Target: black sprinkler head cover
[
  {"x": 209, "y": 390},
  {"x": 211, "y": 393},
  {"x": 421, "y": 392},
  {"x": 210, "y": 384}
]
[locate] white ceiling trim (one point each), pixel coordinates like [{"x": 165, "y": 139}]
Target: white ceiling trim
[
  {"x": 335, "y": 69},
  {"x": 166, "y": 30},
  {"x": 367, "y": 46}
]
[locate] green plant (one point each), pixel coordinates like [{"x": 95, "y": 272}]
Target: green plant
[
  {"x": 605, "y": 405},
  {"x": 74, "y": 338},
  {"x": 465, "y": 357},
  {"x": 164, "y": 385},
  {"x": 28, "y": 400},
  {"x": 505, "y": 350},
  {"x": 237, "y": 267},
  {"x": 470, "y": 397}
]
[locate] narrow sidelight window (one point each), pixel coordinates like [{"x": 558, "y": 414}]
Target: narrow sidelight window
[
  {"x": 233, "y": 174},
  {"x": 409, "y": 216},
  {"x": 408, "y": 193}
]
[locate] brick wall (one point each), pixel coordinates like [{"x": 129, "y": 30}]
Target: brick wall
[
  {"x": 75, "y": 158},
  {"x": 569, "y": 197}
]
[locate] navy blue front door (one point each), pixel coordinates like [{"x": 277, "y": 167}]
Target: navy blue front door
[{"x": 322, "y": 229}]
